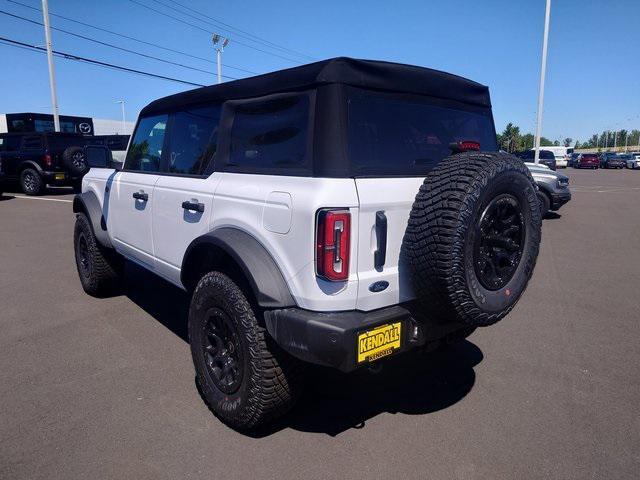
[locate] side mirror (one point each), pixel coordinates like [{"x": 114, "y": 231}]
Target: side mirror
[{"x": 98, "y": 156}]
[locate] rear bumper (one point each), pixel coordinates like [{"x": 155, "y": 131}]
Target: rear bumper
[
  {"x": 57, "y": 177},
  {"x": 331, "y": 339},
  {"x": 559, "y": 199}
]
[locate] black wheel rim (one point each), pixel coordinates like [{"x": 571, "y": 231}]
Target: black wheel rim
[
  {"x": 499, "y": 242},
  {"x": 29, "y": 182},
  {"x": 78, "y": 160},
  {"x": 222, "y": 351},
  {"x": 83, "y": 256}
]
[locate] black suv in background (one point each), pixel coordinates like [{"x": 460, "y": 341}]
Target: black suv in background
[
  {"x": 546, "y": 157},
  {"x": 38, "y": 159},
  {"x": 611, "y": 160}
]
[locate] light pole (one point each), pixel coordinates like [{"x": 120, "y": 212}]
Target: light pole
[
  {"x": 543, "y": 71},
  {"x": 52, "y": 71},
  {"x": 124, "y": 123},
  {"x": 219, "y": 49}
]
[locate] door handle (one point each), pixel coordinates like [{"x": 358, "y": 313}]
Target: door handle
[
  {"x": 380, "y": 255},
  {"x": 195, "y": 206},
  {"x": 141, "y": 196}
]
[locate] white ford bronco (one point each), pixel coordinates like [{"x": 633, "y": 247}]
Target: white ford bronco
[{"x": 336, "y": 213}]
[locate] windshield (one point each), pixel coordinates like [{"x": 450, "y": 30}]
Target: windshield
[{"x": 409, "y": 135}]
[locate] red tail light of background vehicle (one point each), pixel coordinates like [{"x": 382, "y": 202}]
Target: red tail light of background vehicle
[
  {"x": 48, "y": 161},
  {"x": 333, "y": 234}
]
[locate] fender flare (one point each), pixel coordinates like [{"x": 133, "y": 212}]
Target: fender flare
[
  {"x": 258, "y": 266},
  {"x": 29, "y": 164},
  {"x": 88, "y": 204}
]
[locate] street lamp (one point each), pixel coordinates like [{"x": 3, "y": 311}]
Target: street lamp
[
  {"x": 124, "y": 124},
  {"x": 543, "y": 71},
  {"x": 219, "y": 48}
]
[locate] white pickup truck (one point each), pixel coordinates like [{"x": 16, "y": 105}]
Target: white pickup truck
[{"x": 336, "y": 213}]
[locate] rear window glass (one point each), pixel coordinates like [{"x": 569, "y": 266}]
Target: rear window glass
[
  {"x": 390, "y": 135},
  {"x": 270, "y": 134},
  {"x": 145, "y": 152},
  {"x": 193, "y": 140}
]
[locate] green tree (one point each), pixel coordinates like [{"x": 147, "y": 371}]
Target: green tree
[
  {"x": 510, "y": 137},
  {"x": 567, "y": 142}
]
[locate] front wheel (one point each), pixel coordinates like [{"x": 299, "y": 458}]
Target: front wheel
[
  {"x": 244, "y": 377},
  {"x": 99, "y": 268}
]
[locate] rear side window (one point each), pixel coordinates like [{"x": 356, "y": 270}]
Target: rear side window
[
  {"x": 145, "y": 153},
  {"x": 9, "y": 144},
  {"x": 193, "y": 140},
  {"x": 395, "y": 135},
  {"x": 270, "y": 134},
  {"x": 32, "y": 143}
]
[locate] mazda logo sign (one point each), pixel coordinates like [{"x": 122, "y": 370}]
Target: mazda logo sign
[{"x": 84, "y": 127}]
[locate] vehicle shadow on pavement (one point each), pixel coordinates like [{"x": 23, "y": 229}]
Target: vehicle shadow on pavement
[
  {"x": 166, "y": 303},
  {"x": 414, "y": 383}
]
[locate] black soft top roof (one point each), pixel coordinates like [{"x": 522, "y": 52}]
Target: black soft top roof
[{"x": 372, "y": 74}]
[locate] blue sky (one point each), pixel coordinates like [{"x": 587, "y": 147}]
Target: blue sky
[{"x": 593, "y": 79}]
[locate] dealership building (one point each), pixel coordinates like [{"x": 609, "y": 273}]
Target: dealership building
[{"x": 43, "y": 122}]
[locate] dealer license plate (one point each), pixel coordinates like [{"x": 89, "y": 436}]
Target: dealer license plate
[
  {"x": 379, "y": 342},
  {"x": 59, "y": 176}
]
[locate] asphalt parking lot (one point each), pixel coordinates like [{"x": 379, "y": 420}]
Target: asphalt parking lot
[{"x": 104, "y": 388}]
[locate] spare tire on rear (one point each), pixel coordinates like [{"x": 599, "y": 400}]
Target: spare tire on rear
[
  {"x": 74, "y": 160},
  {"x": 473, "y": 237}
]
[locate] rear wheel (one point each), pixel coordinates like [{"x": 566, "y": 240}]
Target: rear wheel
[
  {"x": 31, "y": 182},
  {"x": 473, "y": 237},
  {"x": 99, "y": 268},
  {"x": 244, "y": 377}
]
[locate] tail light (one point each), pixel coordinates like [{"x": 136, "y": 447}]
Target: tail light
[
  {"x": 333, "y": 232},
  {"x": 464, "y": 146},
  {"x": 48, "y": 161}
]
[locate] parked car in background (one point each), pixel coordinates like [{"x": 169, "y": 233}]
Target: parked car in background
[
  {"x": 553, "y": 187},
  {"x": 633, "y": 161},
  {"x": 36, "y": 159},
  {"x": 587, "y": 160},
  {"x": 546, "y": 157},
  {"x": 572, "y": 159},
  {"x": 611, "y": 160},
  {"x": 561, "y": 155},
  {"x": 116, "y": 143}
]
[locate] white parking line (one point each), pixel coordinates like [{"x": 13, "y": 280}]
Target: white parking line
[{"x": 43, "y": 198}]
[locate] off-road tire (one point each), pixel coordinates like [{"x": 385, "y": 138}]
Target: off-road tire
[
  {"x": 75, "y": 161},
  {"x": 31, "y": 182},
  {"x": 438, "y": 247},
  {"x": 545, "y": 204},
  {"x": 271, "y": 379},
  {"x": 99, "y": 268}
]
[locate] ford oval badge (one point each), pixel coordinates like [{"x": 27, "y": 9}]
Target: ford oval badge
[{"x": 378, "y": 286}]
